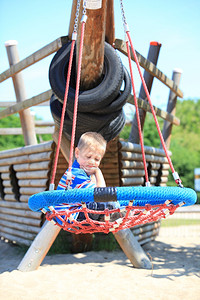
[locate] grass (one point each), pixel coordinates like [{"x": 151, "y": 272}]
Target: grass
[{"x": 179, "y": 222}]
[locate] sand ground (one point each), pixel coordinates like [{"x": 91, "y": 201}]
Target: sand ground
[{"x": 175, "y": 274}]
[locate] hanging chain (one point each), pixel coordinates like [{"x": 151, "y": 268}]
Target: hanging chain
[
  {"x": 74, "y": 33},
  {"x": 84, "y": 7},
  {"x": 84, "y": 16},
  {"x": 76, "y": 16},
  {"x": 123, "y": 17}
]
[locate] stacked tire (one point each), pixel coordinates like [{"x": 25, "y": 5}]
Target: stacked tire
[{"x": 100, "y": 108}]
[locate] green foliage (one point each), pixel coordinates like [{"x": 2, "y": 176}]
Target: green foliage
[
  {"x": 185, "y": 140},
  {"x": 15, "y": 141},
  {"x": 10, "y": 141}
]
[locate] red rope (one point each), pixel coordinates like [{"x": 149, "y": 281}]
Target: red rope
[
  {"x": 63, "y": 112},
  {"x": 150, "y": 103},
  {"x": 76, "y": 96},
  {"x": 137, "y": 113},
  {"x": 111, "y": 220}
]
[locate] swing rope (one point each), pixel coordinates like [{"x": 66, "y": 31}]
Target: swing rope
[
  {"x": 74, "y": 38},
  {"x": 129, "y": 41},
  {"x": 138, "y": 117}
]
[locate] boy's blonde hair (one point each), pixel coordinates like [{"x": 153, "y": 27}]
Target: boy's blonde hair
[{"x": 89, "y": 139}]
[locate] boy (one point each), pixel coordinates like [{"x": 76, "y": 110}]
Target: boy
[{"x": 85, "y": 169}]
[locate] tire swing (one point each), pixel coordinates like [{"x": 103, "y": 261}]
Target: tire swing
[{"x": 137, "y": 205}]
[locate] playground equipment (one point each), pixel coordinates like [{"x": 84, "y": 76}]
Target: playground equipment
[{"x": 36, "y": 254}]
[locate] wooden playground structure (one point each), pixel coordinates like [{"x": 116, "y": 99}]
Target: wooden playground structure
[{"x": 26, "y": 171}]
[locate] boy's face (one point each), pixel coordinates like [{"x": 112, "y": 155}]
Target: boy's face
[{"x": 89, "y": 158}]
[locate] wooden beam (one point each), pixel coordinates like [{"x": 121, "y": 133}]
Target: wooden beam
[
  {"x": 93, "y": 49},
  {"x": 171, "y": 108},
  {"x": 18, "y": 131},
  {"x": 26, "y": 119},
  {"x": 150, "y": 67},
  {"x": 45, "y": 96},
  {"x": 33, "y": 58},
  {"x": 110, "y": 23},
  {"x": 11, "y": 103},
  {"x": 154, "y": 50},
  {"x": 161, "y": 113}
]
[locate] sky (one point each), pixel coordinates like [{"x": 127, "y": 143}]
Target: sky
[{"x": 174, "y": 24}]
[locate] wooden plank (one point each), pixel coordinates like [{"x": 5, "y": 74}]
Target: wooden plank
[
  {"x": 30, "y": 191},
  {"x": 21, "y": 227},
  {"x": 4, "y": 169},
  {"x": 21, "y": 220},
  {"x": 150, "y": 67},
  {"x": 32, "y": 59},
  {"x": 126, "y": 164},
  {"x": 43, "y": 165},
  {"x": 11, "y": 103},
  {"x": 20, "y": 212},
  {"x": 24, "y": 198},
  {"x": 144, "y": 104},
  {"x": 18, "y": 131},
  {"x": 132, "y": 181},
  {"x": 6, "y": 183},
  {"x": 136, "y": 148},
  {"x": 15, "y": 239},
  {"x": 15, "y": 205},
  {"x": 132, "y": 173},
  {"x": 8, "y": 190},
  {"x": 33, "y": 182},
  {"x": 9, "y": 197},
  {"x": 20, "y": 106},
  {"x": 26, "y": 159},
  {"x": 46, "y": 146},
  {"x": 138, "y": 157},
  {"x": 15, "y": 232}
]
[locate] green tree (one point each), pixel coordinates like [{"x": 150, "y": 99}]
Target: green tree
[
  {"x": 185, "y": 139},
  {"x": 15, "y": 141}
]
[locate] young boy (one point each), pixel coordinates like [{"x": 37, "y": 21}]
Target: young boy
[{"x": 85, "y": 170}]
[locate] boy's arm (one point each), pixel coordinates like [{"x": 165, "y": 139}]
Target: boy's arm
[{"x": 100, "y": 181}]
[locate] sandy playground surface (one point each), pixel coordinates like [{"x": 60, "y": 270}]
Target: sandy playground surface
[{"x": 109, "y": 275}]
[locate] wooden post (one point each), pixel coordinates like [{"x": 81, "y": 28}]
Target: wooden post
[
  {"x": 153, "y": 54},
  {"x": 171, "y": 108},
  {"x": 27, "y": 122},
  {"x": 93, "y": 50},
  {"x": 110, "y": 23},
  {"x": 39, "y": 248},
  {"x": 132, "y": 249}
]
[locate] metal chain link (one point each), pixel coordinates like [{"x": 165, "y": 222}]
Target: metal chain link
[
  {"x": 76, "y": 16},
  {"x": 123, "y": 16},
  {"x": 84, "y": 7},
  {"x": 122, "y": 12}
]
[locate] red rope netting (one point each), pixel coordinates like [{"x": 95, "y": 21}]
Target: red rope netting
[{"x": 108, "y": 220}]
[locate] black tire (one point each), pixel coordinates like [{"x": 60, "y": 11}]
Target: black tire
[
  {"x": 92, "y": 99},
  {"x": 120, "y": 100},
  {"x": 109, "y": 130}
]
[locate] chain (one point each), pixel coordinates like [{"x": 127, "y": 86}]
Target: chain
[
  {"x": 84, "y": 7},
  {"x": 76, "y": 16},
  {"x": 122, "y": 12},
  {"x": 123, "y": 17}
]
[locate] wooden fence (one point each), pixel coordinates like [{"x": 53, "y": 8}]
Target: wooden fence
[{"x": 27, "y": 171}]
